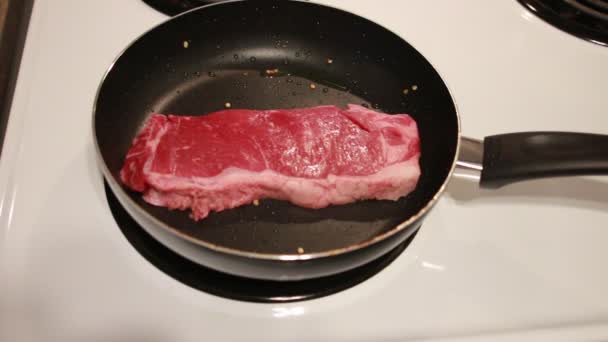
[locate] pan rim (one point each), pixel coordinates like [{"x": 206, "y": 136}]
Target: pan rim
[{"x": 114, "y": 184}]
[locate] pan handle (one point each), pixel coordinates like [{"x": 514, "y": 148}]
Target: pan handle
[{"x": 507, "y": 158}]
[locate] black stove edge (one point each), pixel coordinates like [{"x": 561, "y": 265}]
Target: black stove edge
[{"x": 12, "y": 41}]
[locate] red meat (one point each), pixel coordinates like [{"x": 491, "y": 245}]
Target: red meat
[{"x": 312, "y": 157}]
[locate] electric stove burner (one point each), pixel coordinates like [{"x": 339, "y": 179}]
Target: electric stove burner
[
  {"x": 173, "y": 7},
  {"x": 586, "y": 19},
  {"x": 234, "y": 287}
]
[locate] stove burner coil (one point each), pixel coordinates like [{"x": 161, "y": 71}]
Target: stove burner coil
[
  {"x": 586, "y": 19},
  {"x": 229, "y": 286},
  {"x": 173, "y": 7}
]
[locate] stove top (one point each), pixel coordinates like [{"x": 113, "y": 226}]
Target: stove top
[
  {"x": 587, "y": 19},
  {"x": 524, "y": 262}
]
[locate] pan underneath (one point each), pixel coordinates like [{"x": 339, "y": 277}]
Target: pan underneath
[{"x": 198, "y": 62}]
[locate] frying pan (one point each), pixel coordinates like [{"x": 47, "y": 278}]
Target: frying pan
[{"x": 197, "y": 61}]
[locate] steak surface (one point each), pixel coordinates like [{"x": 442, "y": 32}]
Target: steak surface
[{"x": 311, "y": 157}]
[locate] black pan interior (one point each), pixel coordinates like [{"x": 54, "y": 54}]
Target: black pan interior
[{"x": 197, "y": 62}]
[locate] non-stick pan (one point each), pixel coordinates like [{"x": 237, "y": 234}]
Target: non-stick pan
[{"x": 197, "y": 62}]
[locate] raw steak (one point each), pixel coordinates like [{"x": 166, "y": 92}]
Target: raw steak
[{"x": 312, "y": 157}]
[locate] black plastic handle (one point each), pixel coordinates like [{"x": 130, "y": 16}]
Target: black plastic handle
[{"x": 518, "y": 156}]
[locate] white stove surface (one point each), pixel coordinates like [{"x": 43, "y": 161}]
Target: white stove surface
[{"x": 527, "y": 262}]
